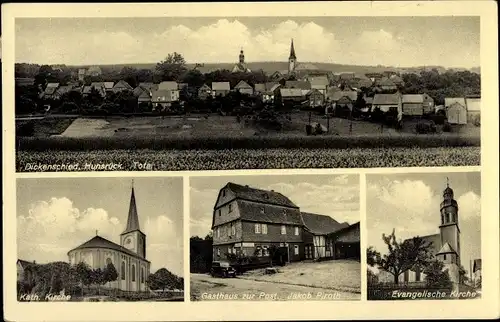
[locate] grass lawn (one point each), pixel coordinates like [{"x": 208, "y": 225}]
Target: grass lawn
[
  {"x": 214, "y": 125},
  {"x": 341, "y": 275}
]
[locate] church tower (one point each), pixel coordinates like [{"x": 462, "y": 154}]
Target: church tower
[
  {"x": 449, "y": 229},
  {"x": 133, "y": 238},
  {"x": 242, "y": 57},
  {"x": 292, "y": 60}
]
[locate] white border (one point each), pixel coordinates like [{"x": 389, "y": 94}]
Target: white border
[{"x": 486, "y": 307}]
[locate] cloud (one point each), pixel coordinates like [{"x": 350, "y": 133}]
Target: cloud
[{"x": 51, "y": 228}]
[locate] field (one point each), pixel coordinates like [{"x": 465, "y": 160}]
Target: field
[
  {"x": 221, "y": 143},
  {"x": 178, "y": 160}
]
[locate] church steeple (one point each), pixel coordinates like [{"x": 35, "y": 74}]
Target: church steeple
[
  {"x": 292, "y": 60},
  {"x": 449, "y": 228},
  {"x": 133, "y": 217},
  {"x": 242, "y": 57},
  {"x": 292, "y": 52}
]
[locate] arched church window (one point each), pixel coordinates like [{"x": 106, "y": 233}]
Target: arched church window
[
  {"x": 133, "y": 273},
  {"x": 142, "y": 275},
  {"x": 108, "y": 261},
  {"x": 454, "y": 217},
  {"x": 447, "y": 217},
  {"x": 122, "y": 272},
  {"x": 442, "y": 219}
]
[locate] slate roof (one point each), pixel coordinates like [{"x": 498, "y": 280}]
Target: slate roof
[
  {"x": 24, "y": 263},
  {"x": 450, "y": 100},
  {"x": 122, "y": 85},
  {"x": 243, "y": 84},
  {"x": 261, "y": 87},
  {"x": 100, "y": 242},
  {"x": 319, "y": 81},
  {"x": 291, "y": 92},
  {"x": 109, "y": 85},
  {"x": 64, "y": 89},
  {"x": 133, "y": 217},
  {"x": 446, "y": 249},
  {"x": 150, "y": 86},
  {"x": 386, "y": 99},
  {"x": 139, "y": 90},
  {"x": 169, "y": 86},
  {"x": 473, "y": 104},
  {"x": 321, "y": 224},
  {"x": 412, "y": 98},
  {"x": 435, "y": 239},
  {"x": 386, "y": 82},
  {"x": 477, "y": 265},
  {"x": 337, "y": 95},
  {"x": 259, "y": 195},
  {"x": 298, "y": 84},
  {"x": 251, "y": 211},
  {"x": 346, "y": 227},
  {"x": 161, "y": 96},
  {"x": 221, "y": 86}
]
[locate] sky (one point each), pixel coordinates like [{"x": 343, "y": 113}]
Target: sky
[
  {"x": 390, "y": 41},
  {"x": 55, "y": 215},
  {"x": 409, "y": 203},
  {"x": 336, "y": 196}
]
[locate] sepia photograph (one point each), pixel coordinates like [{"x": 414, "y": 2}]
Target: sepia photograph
[
  {"x": 99, "y": 239},
  {"x": 222, "y": 93},
  {"x": 424, "y": 236},
  {"x": 275, "y": 238}
]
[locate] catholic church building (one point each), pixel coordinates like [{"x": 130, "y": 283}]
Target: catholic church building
[
  {"x": 241, "y": 67},
  {"x": 445, "y": 245},
  {"x": 128, "y": 257}
]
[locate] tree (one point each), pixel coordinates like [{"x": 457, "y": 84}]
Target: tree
[
  {"x": 163, "y": 279},
  {"x": 97, "y": 277},
  {"x": 172, "y": 67},
  {"x": 401, "y": 256},
  {"x": 435, "y": 276},
  {"x": 84, "y": 274},
  {"x": 194, "y": 78},
  {"x": 110, "y": 274},
  {"x": 55, "y": 283}
]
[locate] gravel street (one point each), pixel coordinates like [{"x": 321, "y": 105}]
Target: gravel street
[{"x": 204, "y": 287}]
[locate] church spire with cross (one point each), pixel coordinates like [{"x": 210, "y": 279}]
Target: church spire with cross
[
  {"x": 133, "y": 217},
  {"x": 292, "y": 60}
]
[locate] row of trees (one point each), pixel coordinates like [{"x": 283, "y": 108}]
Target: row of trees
[
  {"x": 408, "y": 254},
  {"x": 52, "y": 278}
]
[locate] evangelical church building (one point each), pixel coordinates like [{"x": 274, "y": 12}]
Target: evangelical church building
[
  {"x": 445, "y": 245},
  {"x": 129, "y": 257}
]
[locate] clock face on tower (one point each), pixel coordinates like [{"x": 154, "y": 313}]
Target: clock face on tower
[{"x": 129, "y": 242}]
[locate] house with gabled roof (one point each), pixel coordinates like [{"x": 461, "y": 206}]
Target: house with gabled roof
[
  {"x": 473, "y": 105},
  {"x": 320, "y": 83},
  {"x": 122, "y": 85},
  {"x": 386, "y": 84},
  {"x": 21, "y": 266},
  {"x": 456, "y": 110},
  {"x": 204, "y": 92},
  {"x": 220, "y": 88},
  {"x": 143, "y": 94},
  {"x": 250, "y": 221},
  {"x": 387, "y": 102},
  {"x": 61, "y": 90},
  {"x": 244, "y": 88}
]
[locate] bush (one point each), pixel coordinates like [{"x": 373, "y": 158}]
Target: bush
[
  {"x": 25, "y": 129},
  {"x": 423, "y": 127},
  {"x": 447, "y": 127}
]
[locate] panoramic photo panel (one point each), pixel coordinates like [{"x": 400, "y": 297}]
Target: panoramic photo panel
[
  {"x": 99, "y": 239},
  {"x": 424, "y": 236},
  {"x": 275, "y": 238},
  {"x": 220, "y": 93}
]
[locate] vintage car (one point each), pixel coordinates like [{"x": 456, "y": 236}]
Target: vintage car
[{"x": 222, "y": 269}]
